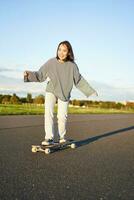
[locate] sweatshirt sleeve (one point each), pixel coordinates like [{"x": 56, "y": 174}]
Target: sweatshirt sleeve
[
  {"x": 76, "y": 75},
  {"x": 37, "y": 76},
  {"x": 85, "y": 87},
  {"x": 82, "y": 84}
]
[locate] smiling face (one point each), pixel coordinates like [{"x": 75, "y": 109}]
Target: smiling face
[{"x": 62, "y": 52}]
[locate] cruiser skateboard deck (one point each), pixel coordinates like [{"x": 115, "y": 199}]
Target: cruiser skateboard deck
[{"x": 47, "y": 149}]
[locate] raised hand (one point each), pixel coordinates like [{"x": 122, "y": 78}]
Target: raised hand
[
  {"x": 26, "y": 76},
  {"x": 26, "y": 73}
]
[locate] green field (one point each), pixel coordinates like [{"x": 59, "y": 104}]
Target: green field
[{"x": 32, "y": 109}]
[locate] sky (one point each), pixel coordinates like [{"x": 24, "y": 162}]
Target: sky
[{"x": 101, "y": 33}]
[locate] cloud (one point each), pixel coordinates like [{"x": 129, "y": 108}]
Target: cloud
[
  {"x": 11, "y": 73},
  {"x": 108, "y": 92},
  {"x": 9, "y": 70},
  {"x": 17, "y": 85},
  {"x": 5, "y": 70}
]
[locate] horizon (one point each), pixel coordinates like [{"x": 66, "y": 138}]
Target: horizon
[{"x": 34, "y": 96}]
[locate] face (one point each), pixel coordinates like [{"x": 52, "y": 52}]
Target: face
[{"x": 62, "y": 52}]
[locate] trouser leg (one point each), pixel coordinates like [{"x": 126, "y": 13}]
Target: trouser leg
[
  {"x": 50, "y": 101},
  {"x": 62, "y": 117}
]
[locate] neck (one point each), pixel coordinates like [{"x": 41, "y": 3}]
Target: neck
[{"x": 61, "y": 61}]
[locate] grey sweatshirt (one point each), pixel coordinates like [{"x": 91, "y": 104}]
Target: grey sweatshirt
[{"x": 61, "y": 76}]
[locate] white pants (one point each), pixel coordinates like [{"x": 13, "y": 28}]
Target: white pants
[{"x": 50, "y": 100}]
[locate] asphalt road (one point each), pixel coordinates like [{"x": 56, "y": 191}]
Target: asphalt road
[{"x": 100, "y": 168}]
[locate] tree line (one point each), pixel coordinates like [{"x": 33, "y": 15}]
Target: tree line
[
  {"x": 40, "y": 99},
  {"x": 14, "y": 99}
]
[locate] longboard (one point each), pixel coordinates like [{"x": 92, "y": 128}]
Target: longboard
[{"x": 47, "y": 149}]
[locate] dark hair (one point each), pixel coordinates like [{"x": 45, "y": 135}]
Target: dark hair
[{"x": 70, "y": 56}]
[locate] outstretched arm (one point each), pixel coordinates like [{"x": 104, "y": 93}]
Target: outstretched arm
[
  {"x": 36, "y": 76},
  {"x": 82, "y": 84}
]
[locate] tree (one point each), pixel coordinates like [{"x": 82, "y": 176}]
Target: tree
[
  {"x": 29, "y": 98},
  {"x": 1, "y": 97},
  {"x": 14, "y": 99},
  {"x": 39, "y": 99},
  {"x": 118, "y": 106},
  {"x": 5, "y": 99},
  {"x": 76, "y": 102},
  {"x": 23, "y": 100},
  {"x": 81, "y": 103}
]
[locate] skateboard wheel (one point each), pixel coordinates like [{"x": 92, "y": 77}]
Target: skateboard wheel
[
  {"x": 34, "y": 149},
  {"x": 47, "y": 151},
  {"x": 73, "y": 146}
]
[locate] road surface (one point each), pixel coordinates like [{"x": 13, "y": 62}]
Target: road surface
[{"x": 100, "y": 168}]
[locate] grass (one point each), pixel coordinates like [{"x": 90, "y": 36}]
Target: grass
[
  {"x": 32, "y": 109},
  {"x": 21, "y": 109}
]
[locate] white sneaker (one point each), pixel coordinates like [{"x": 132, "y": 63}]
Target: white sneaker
[
  {"x": 62, "y": 140},
  {"x": 47, "y": 142}
]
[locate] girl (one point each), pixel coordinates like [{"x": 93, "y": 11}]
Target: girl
[{"x": 61, "y": 72}]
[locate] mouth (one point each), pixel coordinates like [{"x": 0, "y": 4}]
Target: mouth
[{"x": 62, "y": 57}]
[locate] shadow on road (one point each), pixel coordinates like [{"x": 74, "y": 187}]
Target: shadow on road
[{"x": 92, "y": 139}]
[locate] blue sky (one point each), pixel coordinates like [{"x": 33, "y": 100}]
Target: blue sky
[{"x": 100, "y": 31}]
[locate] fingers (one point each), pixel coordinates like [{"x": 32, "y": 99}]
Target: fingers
[
  {"x": 26, "y": 76},
  {"x": 25, "y": 73}
]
